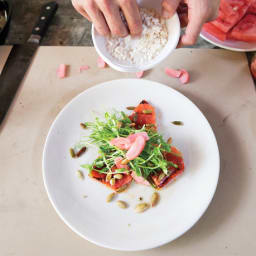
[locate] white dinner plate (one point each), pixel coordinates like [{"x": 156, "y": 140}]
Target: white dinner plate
[
  {"x": 232, "y": 45},
  {"x": 182, "y": 202}
]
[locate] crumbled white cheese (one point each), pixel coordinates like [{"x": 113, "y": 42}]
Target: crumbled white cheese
[{"x": 142, "y": 49}]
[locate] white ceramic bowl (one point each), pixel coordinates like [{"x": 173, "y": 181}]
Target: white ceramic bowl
[{"x": 173, "y": 26}]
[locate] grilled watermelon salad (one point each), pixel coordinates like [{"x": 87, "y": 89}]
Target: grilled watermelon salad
[{"x": 130, "y": 148}]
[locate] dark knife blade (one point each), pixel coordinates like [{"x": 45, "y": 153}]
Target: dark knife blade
[{"x": 20, "y": 57}]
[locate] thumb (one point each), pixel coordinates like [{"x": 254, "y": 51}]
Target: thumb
[{"x": 169, "y": 8}]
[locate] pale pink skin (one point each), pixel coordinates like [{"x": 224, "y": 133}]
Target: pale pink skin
[
  {"x": 84, "y": 67},
  {"x": 184, "y": 78},
  {"x": 132, "y": 137},
  {"x": 173, "y": 72},
  {"x": 62, "y": 71},
  {"x": 136, "y": 148},
  {"x": 121, "y": 143},
  {"x": 140, "y": 74},
  {"x": 101, "y": 63},
  {"x": 118, "y": 164},
  {"x": 140, "y": 179}
]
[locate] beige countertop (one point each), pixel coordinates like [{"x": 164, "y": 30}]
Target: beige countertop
[
  {"x": 4, "y": 53},
  {"x": 220, "y": 86}
]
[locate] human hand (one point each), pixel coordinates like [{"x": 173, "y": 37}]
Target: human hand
[
  {"x": 105, "y": 15},
  {"x": 193, "y": 13}
]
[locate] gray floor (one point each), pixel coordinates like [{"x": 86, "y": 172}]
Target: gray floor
[{"x": 67, "y": 28}]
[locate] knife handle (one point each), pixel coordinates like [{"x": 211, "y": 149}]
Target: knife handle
[{"x": 47, "y": 12}]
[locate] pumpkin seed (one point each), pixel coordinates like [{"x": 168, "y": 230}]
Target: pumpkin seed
[
  {"x": 112, "y": 182},
  {"x": 169, "y": 141},
  {"x": 147, "y": 111},
  {"x": 72, "y": 152},
  {"x": 110, "y": 197},
  {"x": 149, "y": 125},
  {"x": 152, "y": 128},
  {"x": 177, "y": 123},
  {"x": 119, "y": 124},
  {"x": 125, "y": 161},
  {"x": 130, "y": 108},
  {"x": 154, "y": 199},
  {"x": 83, "y": 125},
  {"x": 81, "y": 151},
  {"x": 80, "y": 174},
  {"x": 121, "y": 204},
  {"x": 161, "y": 176},
  {"x": 108, "y": 177},
  {"x": 118, "y": 176},
  {"x": 141, "y": 207},
  {"x": 121, "y": 189}
]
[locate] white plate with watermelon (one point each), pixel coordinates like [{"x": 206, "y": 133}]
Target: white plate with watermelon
[
  {"x": 82, "y": 203},
  {"x": 235, "y": 27}
]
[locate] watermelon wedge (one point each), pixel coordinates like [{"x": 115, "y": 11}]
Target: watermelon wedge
[
  {"x": 176, "y": 157},
  {"x": 213, "y": 30},
  {"x": 230, "y": 13},
  {"x": 144, "y": 114},
  {"x": 245, "y": 30},
  {"x": 119, "y": 185}
]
